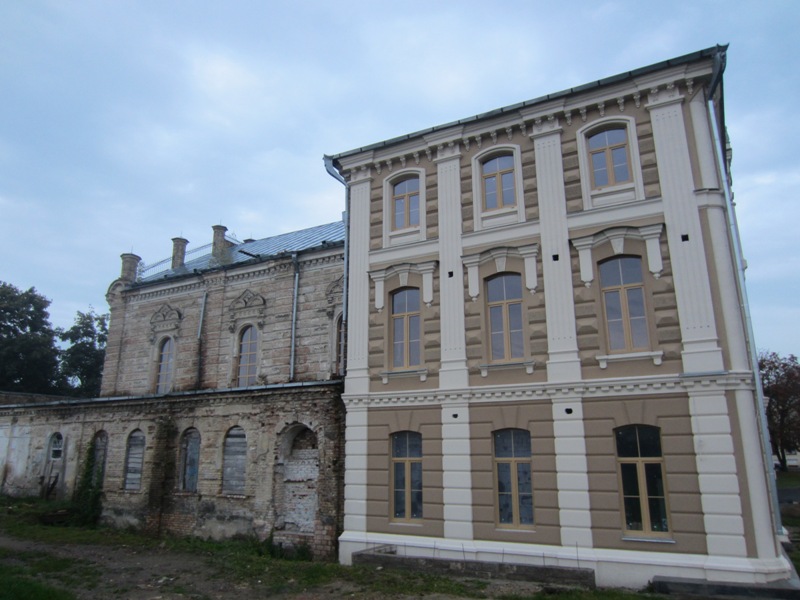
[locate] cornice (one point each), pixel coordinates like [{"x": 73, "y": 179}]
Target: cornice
[{"x": 599, "y": 389}]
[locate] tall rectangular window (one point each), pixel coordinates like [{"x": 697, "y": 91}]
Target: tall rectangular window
[
  {"x": 134, "y": 459},
  {"x": 248, "y": 357},
  {"x": 512, "y": 465},
  {"x": 166, "y": 359},
  {"x": 405, "y": 202},
  {"x": 234, "y": 461},
  {"x": 608, "y": 153},
  {"x": 506, "y": 333},
  {"x": 406, "y": 342},
  {"x": 640, "y": 462},
  {"x": 623, "y": 298},
  {"x": 498, "y": 182},
  {"x": 406, "y": 475}
]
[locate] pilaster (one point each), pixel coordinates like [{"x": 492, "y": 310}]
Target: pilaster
[
  {"x": 563, "y": 363},
  {"x": 457, "y": 471},
  {"x": 701, "y": 352}
]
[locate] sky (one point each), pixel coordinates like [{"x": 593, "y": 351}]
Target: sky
[{"x": 124, "y": 124}]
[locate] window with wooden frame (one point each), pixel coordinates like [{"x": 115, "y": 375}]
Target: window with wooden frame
[
  {"x": 234, "y": 461},
  {"x": 405, "y": 203},
  {"x": 512, "y": 469},
  {"x": 641, "y": 479},
  {"x": 247, "y": 371},
  {"x": 406, "y": 327},
  {"x": 505, "y": 323},
  {"x": 134, "y": 460},
  {"x": 609, "y": 157},
  {"x": 166, "y": 366},
  {"x": 497, "y": 175},
  {"x": 622, "y": 288},
  {"x": 189, "y": 460},
  {"x": 406, "y": 475}
]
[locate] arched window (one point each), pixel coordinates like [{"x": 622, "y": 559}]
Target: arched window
[
  {"x": 56, "y": 449},
  {"x": 609, "y": 157},
  {"x": 189, "y": 460},
  {"x": 641, "y": 475},
  {"x": 166, "y": 365},
  {"x": 504, "y": 304},
  {"x": 248, "y": 357},
  {"x": 512, "y": 466},
  {"x": 405, "y": 203},
  {"x": 624, "y": 304},
  {"x": 406, "y": 475},
  {"x": 234, "y": 460},
  {"x": 498, "y": 182},
  {"x": 134, "y": 460},
  {"x": 341, "y": 347},
  {"x": 406, "y": 343}
]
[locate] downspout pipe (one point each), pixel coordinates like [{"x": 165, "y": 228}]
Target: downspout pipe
[
  {"x": 733, "y": 230},
  {"x": 335, "y": 174},
  {"x": 199, "y": 379},
  {"x": 296, "y": 265}
]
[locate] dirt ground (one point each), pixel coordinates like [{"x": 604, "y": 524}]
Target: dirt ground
[{"x": 159, "y": 574}]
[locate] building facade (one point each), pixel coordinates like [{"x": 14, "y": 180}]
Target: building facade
[
  {"x": 547, "y": 359},
  {"x": 220, "y": 412}
]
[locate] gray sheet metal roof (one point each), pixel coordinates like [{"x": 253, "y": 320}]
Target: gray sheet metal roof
[
  {"x": 680, "y": 60},
  {"x": 320, "y": 236}
]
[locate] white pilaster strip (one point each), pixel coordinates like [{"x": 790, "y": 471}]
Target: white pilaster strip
[
  {"x": 357, "y": 380},
  {"x": 355, "y": 472},
  {"x": 453, "y": 373},
  {"x": 703, "y": 143},
  {"x": 572, "y": 473},
  {"x": 457, "y": 471},
  {"x": 563, "y": 363},
  {"x": 716, "y": 470},
  {"x": 701, "y": 351}
]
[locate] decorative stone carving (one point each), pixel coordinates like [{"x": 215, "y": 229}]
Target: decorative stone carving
[
  {"x": 510, "y": 132},
  {"x": 601, "y": 106},
  {"x": 248, "y": 305},
  {"x": 165, "y": 319},
  {"x": 500, "y": 255},
  {"x": 582, "y": 110},
  {"x": 621, "y": 104},
  {"x": 402, "y": 271}
]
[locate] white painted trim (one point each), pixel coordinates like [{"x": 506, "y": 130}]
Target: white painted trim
[
  {"x": 408, "y": 235},
  {"x": 486, "y": 219}
]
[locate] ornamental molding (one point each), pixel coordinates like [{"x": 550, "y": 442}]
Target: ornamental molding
[
  {"x": 248, "y": 306},
  {"x": 616, "y": 236},
  {"x": 402, "y": 271},
  {"x": 500, "y": 256},
  {"x": 165, "y": 320},
  {"x": 710, "y": 385}
]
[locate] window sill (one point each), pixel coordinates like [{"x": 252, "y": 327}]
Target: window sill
[
  {"x": 232, "y": 496},
  {"x": 604, "y": 359},
  {"x": 408, "y": 235},
  {"x": 500, "y": 216},
  {"x": 527, "y": 365},
  {"x": 651, "y": 540},
  {"x": 414, "y": 523},
  {"x": 387, "y": 375},
  {"x": 616, "y": 194}
]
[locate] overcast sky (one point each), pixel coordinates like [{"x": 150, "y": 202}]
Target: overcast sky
[{"x": 124, "y": 124}]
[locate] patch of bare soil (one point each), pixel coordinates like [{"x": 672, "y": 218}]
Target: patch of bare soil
[{"x": 128, "y": 573}]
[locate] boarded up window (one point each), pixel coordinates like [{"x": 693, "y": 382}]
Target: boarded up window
[
  {"x": 134, "y": 459},
  {"x": 233, "y": 461},
  {"x": 190, "y": 460}
]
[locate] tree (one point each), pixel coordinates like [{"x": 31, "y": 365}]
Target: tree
[
  {"x": 780, "y": 379},
  {"x": 82, "y": 362},
  {"x": 28, "y": 351}
]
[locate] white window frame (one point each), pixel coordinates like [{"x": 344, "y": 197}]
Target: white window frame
[
  {"x": 408, "y": 235},
  {"x": 485, "y": 219},
  {"x": 630, "y": 191}
]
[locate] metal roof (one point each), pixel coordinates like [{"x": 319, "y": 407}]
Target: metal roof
[
  {"x": 320, "y": 236},
  {"x": 680, "y": 60}
]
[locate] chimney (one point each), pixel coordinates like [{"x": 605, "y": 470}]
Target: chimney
[
  {"x": 178, "y": 252},
  {"x": 220, "y": 245},
  {"x": 130, "y": 266}
]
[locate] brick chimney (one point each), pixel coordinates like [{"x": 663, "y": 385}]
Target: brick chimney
[
  {"x": 130, "y": 266},
  {"x": 220, "y": 244},
  {"x": 178, "y": 252}
]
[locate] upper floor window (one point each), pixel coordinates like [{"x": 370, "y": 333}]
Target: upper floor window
[
  {"x": 404, "y": 207},
  {"x": 497, "y": 187},
  {"x": 406, "y": 341},
  {"x": 248, "y": 357},
  {"x": 134, "y": 460},
  {"x": 166, "y": 366},
  {"x": 512, "y": 466},
  {"x": 498, "y": 182},
  {"x": 641, "y": 474},
  {"x": 622, "y": 288},
  {"x": 189, "y": 460},
  {"x": 504, "y": 303},
  {"x": 608, "y": 156},
  {"x": 405, "y": 202},
  {"x": 56, "y": 446},
  {"x": 234, "y": 459},
  {"x": 406, "y": 475},
  {"x": 608, "y": 151}
]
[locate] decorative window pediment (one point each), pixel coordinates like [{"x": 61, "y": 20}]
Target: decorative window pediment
[
  {"x": 616, "y": 237},
  {"x": 248, "y": 305},
  {"x": 473, "y": 263},
  {"x": 425, "y": 269},
  {"x": 166, "y": 319}
]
